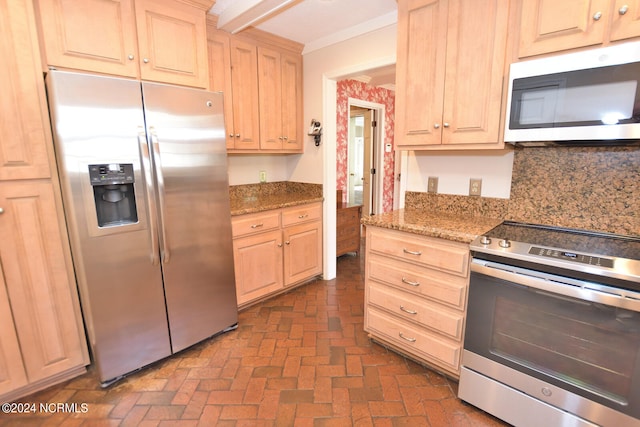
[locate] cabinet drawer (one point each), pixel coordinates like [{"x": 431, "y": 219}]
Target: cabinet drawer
[
  {"x": 414, "y": 339},
  {"x": 348, "y": 216},
  {"x": 432, "y": 284},
  {"x": 416, "y": 310},
  {"x": 347, "y": 231},
  {"x": 298, "y": 214},
  {"x": 255, "y": 223},
  {"x": 446, "y": 256}
]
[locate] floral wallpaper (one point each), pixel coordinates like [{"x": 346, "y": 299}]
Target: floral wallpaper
[{"x": 354, "y": 89}]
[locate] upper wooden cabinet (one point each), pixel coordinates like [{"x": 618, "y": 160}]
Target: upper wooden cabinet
[
  {"x": 261, "y": 77},
  {"x": 280, "y": 94},
  {"x": 450, "y": 67},
  {"x": 553, "y": 26},
  {"x": 24, "y": 127},
  {"x": 157, "y": 40}
]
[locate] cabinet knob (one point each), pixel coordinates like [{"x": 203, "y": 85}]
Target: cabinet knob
[
  {"x": 446, "y": 125},
  {"x": 287, "y": 242},
  {"x": 1, "y": 211},
  {"x": 436, "y": 125},
  {"x": 237, "y": 135},
  {"x": 280, "y": 138},
  {"x": 285, "y": 138},
  {"x": 623, "y": 9},
  {"x": 131, "y": 57},
  {"x": 279, "y": 245},
  {"x": 145, "y": 60},
  {"x": 230, "y": 135},
  {"x": 597, "y": 16}
]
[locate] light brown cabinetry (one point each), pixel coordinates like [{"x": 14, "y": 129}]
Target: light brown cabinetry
[
  {"x": 280, "y": 94},
  {"x": 415, "y": 295},
  {"x": 261, "y": 77},
  {"x": 41, "y": 333},
  {"x": 450, "y": 67},
  {"x": 276, "y": 249},
  {"x": 547, "y": 27},
  {"x": 233, "y": 66},
  {"x": 157, "y": 40}
]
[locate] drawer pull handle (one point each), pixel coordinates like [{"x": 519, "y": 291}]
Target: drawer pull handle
[
  {"x": 406, "y": 338},
  {"x": 257, "y": 225},
  {"x": 409, "y": 282},
  {"x": 303, "y": 216},
  {"x": 407, "y": 251},
  {"x": 407, "y": 310}
]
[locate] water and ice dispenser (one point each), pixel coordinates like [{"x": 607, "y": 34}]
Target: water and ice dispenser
[{"x": 113, "y": 194}]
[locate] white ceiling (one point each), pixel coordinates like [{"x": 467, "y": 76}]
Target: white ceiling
[{"x": 314, "y": 23}]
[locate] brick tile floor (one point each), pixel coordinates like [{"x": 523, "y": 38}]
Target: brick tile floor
[{"x": 299, "y": 359}]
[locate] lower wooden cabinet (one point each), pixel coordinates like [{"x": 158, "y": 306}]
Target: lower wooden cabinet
[
  {"x": 276, "y": 249},
  {"x": 41, "y": 333},
  {"x": 416, "y": 294}
]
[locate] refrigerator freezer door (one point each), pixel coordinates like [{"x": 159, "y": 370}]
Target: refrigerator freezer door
[
  {"x": 187, "y": 137},
  {"x": 96, "y": 121}
]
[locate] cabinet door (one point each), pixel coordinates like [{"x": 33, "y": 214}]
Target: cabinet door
[
  {"x": 476, "y": 48},
  {"x": 258, "y": 265},
  {"x": 24, "y": 128},
  {"x": 42, "y": 295},
  {"x": 244, "y": 87},
  {"x": 551, "y": 26},
  {"x": 270, "y": 95},
  {"x": 420, "y": 71},
  {"x": 302, "y": 252},
  {"x": 220, "y": 78},
  {"x": 172, "y": 41},
  {"x": 293, "y": 135},
  {"x": 625, "y": 18},
  {"x": 12, "y": 374},
  {"x": 92, "y": 35}
]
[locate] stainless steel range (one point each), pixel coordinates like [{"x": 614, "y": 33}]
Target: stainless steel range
[{"x": 553, "y": 327}]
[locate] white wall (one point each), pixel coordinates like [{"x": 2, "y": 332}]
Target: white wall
[
  {"x": 322, "y": 68},
  {"x": 454, "y": 169},
  {"x": 245, "y": 168}
]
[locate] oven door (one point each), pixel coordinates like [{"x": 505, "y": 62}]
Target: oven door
[{"x": 581, "y": 339}]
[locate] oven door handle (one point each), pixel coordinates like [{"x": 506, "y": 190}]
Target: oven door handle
[{"x": 581, "y": 290}]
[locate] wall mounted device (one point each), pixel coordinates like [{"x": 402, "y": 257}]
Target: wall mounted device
[{"x": 315, "y": 130}]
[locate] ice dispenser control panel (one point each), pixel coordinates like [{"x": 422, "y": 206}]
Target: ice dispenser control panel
[{"x": 111, "y": 173}]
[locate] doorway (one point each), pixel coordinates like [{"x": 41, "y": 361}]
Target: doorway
[
  {"x": 364, "y": 155},
  {"x": 360, "y": 174}
]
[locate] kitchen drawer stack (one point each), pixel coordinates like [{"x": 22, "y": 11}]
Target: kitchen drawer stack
[{"x": 415, "y": 296}]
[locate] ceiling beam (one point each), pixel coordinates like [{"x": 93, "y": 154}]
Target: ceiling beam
[{"x": 241, "y": 14}]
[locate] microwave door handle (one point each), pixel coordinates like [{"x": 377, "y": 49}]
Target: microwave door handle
[
  {"x": 157, "y": 162},
  {"x": 147, "y": 167}
]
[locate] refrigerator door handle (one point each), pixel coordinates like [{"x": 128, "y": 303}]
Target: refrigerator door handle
[
  {"x": 164, "y": 253},
  {"x": 151, "y": 202}
]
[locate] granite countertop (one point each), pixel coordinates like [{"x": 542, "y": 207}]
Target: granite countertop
[
  {"x": 254, "y": 198},
  {"x": 445, "y": 225},
  {"x": 253, "y": 204}
]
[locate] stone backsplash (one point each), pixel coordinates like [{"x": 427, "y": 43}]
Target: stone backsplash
[{"x": 592, "y": 188}]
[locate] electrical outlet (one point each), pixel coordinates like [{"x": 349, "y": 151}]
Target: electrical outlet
[
  {"x": 432, "y": 184},
  {"x": 263, "y": 176},
  {"x": 475, "y": 186}
]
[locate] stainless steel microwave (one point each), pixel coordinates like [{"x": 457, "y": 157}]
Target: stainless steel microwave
[{"x": 591, "y": 95}]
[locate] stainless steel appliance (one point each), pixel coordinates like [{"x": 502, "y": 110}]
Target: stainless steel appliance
[
  {"x": 143, "y": 171},
  {"x": 592, "y": 95},
  {"x": 553, "y": 327}
]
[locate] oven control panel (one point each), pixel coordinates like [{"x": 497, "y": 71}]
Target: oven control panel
[{"x": 571, "y": 256}]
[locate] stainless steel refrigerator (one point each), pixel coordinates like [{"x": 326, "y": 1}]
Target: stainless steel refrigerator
[{"x": 143, "y": 170}]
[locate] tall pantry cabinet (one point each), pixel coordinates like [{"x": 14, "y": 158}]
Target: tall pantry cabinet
[{"x": 41, "y": 332}]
